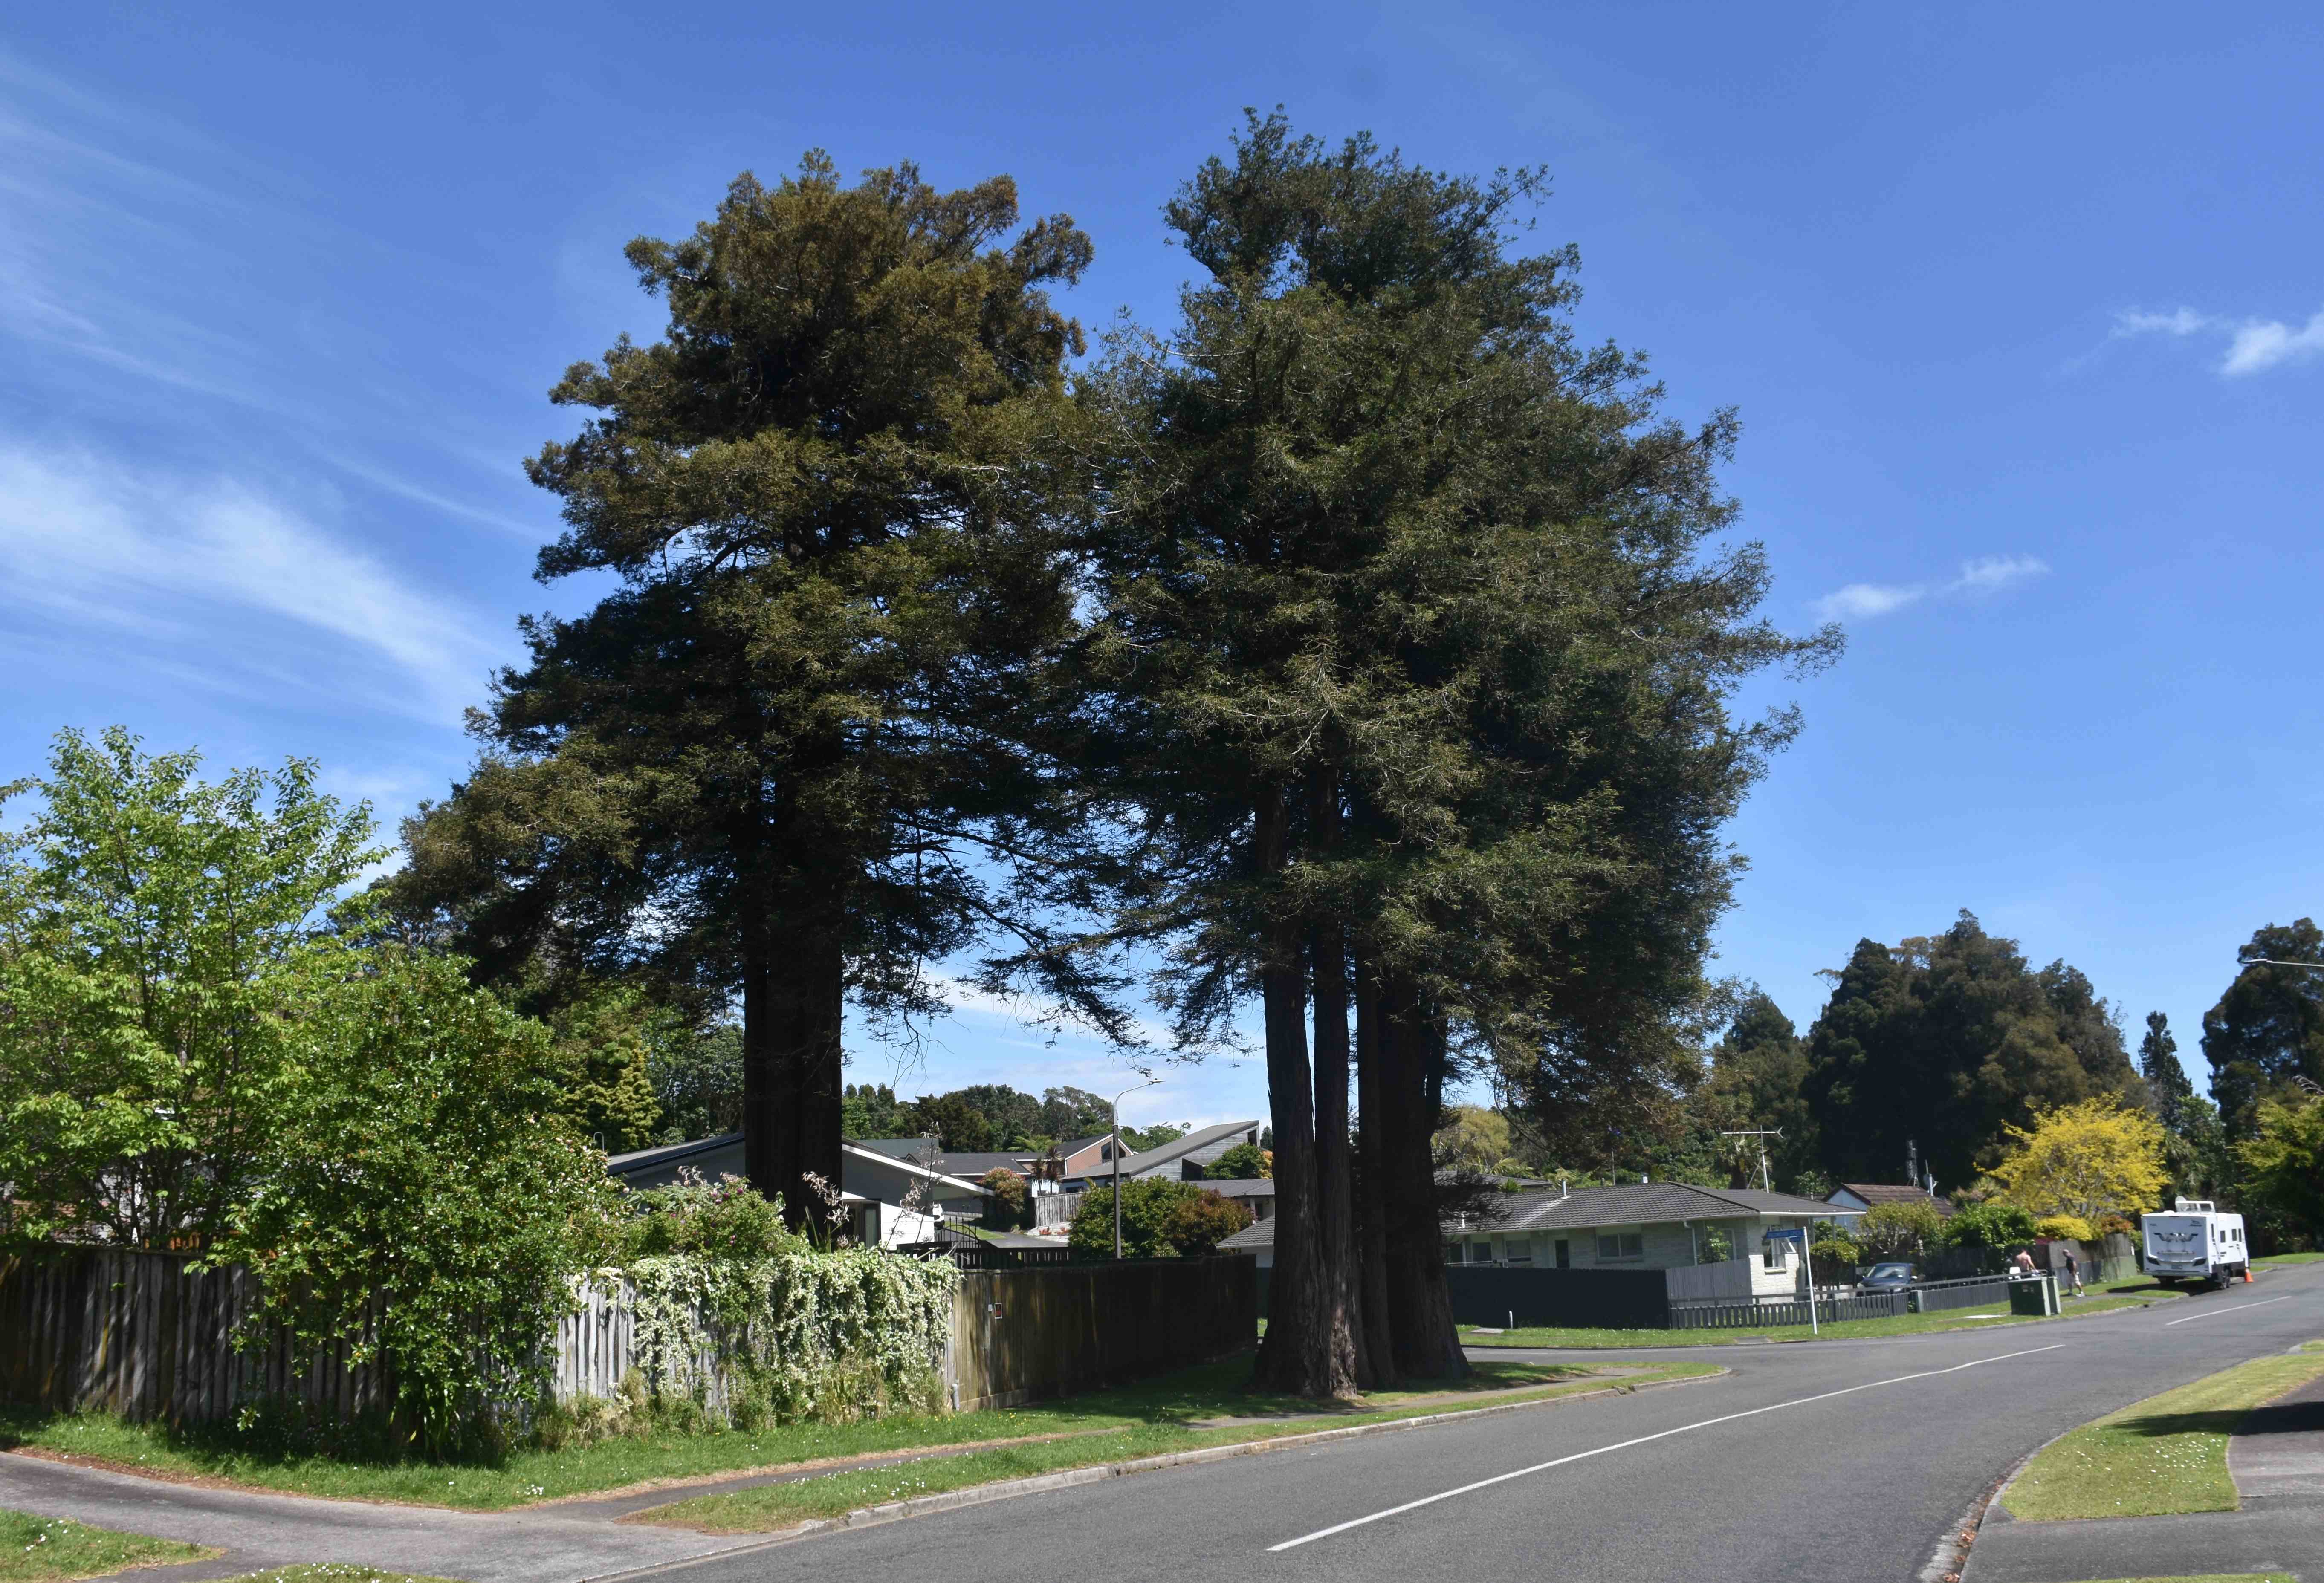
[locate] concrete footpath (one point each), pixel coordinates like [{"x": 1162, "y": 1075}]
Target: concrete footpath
[{"x": 2276, "y": 1457}]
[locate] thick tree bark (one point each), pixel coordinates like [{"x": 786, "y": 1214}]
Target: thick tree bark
[
  {"x": 1335, "y": 1228},
  {"x": 1371, "y": 1186},
  {"x": 1294, "y": 1356},
  {"x": 794, "y": 993},
  {"x": 1426, "y": 1345}
]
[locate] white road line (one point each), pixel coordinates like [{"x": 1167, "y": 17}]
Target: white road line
[
  {"x": 2239, "y": 1308},
  {"x": 1643, "y": 1439}
]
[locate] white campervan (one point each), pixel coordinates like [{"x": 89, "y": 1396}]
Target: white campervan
[{"x": 2195, "y": 1242}]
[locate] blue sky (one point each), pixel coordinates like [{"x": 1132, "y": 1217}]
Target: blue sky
[{"x": 2022, "y": 310}]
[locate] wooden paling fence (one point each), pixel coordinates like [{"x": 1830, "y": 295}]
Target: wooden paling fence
[{"x": 146, "y": 1336}]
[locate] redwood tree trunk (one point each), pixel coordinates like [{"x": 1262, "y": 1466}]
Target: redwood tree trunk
[
  {"x": 1371, "y": 1186},
  {"x": 1426, "y": 1345},
  {"x": 1343, "y": 1296},
  {"x": 794, "y": 994}
]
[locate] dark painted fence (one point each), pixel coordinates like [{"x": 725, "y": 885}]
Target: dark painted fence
[
  {"x": 1723, "y": 1316},
  {"x": 1939, "y": 1297},
  {"x": 1021, "y": 1335},
  {"x": 1616, "y": 1300}
]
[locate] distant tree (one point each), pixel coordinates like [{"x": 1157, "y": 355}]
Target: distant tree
[
  {"x": 1472, "y": 1138},
  {"x": 2089, "y": 1159},
  {"x": 1069, "y": 1114},
  {"x": 1197, "y": 1224},
  {"x": 1011, "y": 1204},
  {"x": 1136, "y": 1140},
  {"x": 1016, "y": 1118},
  {"x": 957, "y": 1125},
  {"x": 1943, "y": 1041},
  {"x": 2284, "y": 1157},
  {"x": 1244, "y": 1162},
  {"x": 1758, "y": 1074},
  {"x": 699, "y": 1083},
  {"x": 2167, "y": 1087},
  {"x": 1901, "y": 1230},
  {"x": 154, "y": 931},
  {"x": 872, "y": 1111},
  {"x": 2268, "y": 1027},
  {"x": 605, "y": 1046}
]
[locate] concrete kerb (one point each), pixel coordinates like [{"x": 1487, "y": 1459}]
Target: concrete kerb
[
  {"x": 1950, "y": 1560},
  {"x": 1009, "y": 1488}
]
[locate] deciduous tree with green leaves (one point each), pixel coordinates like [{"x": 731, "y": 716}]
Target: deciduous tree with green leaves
[
  {"x": 2284, "y": 1162},
  {"x": 2267, "y": 1028},
  {"x": 2090, "y": 1160},
  {"x": 155, "y": 932}
]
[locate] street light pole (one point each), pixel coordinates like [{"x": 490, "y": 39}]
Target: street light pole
[{"x": 1132, "y": 1089}]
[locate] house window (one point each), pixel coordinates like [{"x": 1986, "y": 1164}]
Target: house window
[
  {"x": 1480, "y": 1253},
  {"x": 1520, "y": 1251},
  {"x": 1621, "y": 1245}
]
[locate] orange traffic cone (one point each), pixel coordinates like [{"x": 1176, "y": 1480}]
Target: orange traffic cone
[{"x": 2247, "y": 1274}]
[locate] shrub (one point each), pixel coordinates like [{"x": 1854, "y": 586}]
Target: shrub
[
  {"x": 1241, "y": 1163},
  {"x": 2109, "y": 1225},
  {"x": 1146, "y": 1206},
  {"x": 1011, "y": 1205},
  {"x": 727, "y": 1218},
  {"x": 2065, "y": 1227},
  {"x": 1196, "y": 1226},
  {"x": 1901, "y": 1230},
  {"x": 1990, "y": 1224},
  {"x": 1834, "y": 1248}
]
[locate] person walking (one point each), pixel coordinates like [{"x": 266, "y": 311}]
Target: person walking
[
  {"x": 2023, "y": 1264},
  {"x": 2073, "y": 1272}
]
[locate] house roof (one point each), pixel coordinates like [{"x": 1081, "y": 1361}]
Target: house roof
[
  {"x": 1638, "y": 1203},
  {"x": 1875, "y": 1193},
  {"x": 1179, "y": 1148},
  {"x": 1258, "y": 1234},
  {"x": 912, "y": 1166},
  {"x": 967, "y": 1163},
  {"x": 670, "y": 1156},
  {"x": 1240, "y": 1186}
]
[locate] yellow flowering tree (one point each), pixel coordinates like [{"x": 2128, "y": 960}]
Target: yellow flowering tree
[{"x": 2084, "y": 1160}]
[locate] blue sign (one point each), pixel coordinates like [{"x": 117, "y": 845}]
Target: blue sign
[{"x": 1788, "y": 1234}]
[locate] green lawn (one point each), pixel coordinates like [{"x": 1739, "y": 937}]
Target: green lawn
[
  {"x": 783, "y": 1505},
  {"x": 2166, "y": 1454},
  {"x": 1214, "y": 1390},
  {"x": 1910, "y": 1324},
  {"x": 2273, "y": 1259},
  {"x": 37, "y": 1549}
]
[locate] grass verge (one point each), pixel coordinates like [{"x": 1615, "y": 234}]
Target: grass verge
[
  {"x": 2274, "y": 1259},
  {"x": 773, "y": 1506},
  {"x": 334, "y": 1572},
  {"x": 2164, "y": 1455},
  {"x": 527, "y": 1476},
  {"x": 1909, "y": 1324},
  {"x": 37, "y": 1549}
]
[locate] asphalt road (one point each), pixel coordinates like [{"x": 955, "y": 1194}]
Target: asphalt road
[{"x": 1836, "y": 1462}]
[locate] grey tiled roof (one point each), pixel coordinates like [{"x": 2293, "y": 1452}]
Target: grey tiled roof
[
  {"x": 1876, "y": 1193},
  {"x": 1258, "y": 1234},
  {"x": 1641, "y": 1203}
]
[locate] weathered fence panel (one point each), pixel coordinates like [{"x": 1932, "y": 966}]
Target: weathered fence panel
[
  {"x": 1723, "y": 1316},
  {"x": 145, "y": 1336},
  {"x": 1620, "y": 1299},
  {"x": 1974, "y": 1293},
  {"x": 1022, "y": 1335}
]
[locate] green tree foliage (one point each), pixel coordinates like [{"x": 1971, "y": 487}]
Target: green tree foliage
[
  {"x": 1945, "y": 1041},
  {"x": 1405, "y": 659},
  {"x": 2284, "y": 1159},
  {"x": 154, "y": 933},
  {"x": 2195, "y": 1151},
  {"x": 605, "y": 1046},
  {"x": 1011, "y": 1203},
  {"x": 872, "y": 1111},
  {"x": 957, "y": 1125},
  {"x": 1160, "y": 1218},
  {"x": 2086, "y": 1161},
  {"x": 1137, "y": 1140},
  {"x": 1069, "y": 1115},
  {"x": 721, "y": 1220},
  {"x": 1758, "y": 1075},
  {"x": 698, "y": 1083},
  {"x": 1245, "y": 1162},
  {"x": 422, "y": 1198},
  {"x": 1015, "y": 1117},
  {"x": 1901, "y": 1230},
  {"x": 762, "y": 763},
  {"x": 2268, "y": 1027},
  {"x": 1473, "y": 1139},
  {"x": 2167, "y": 1087},
  {"x": 1990, "y": 1224}
]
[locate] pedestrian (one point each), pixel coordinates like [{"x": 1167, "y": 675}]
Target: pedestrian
[
  {"x": 2073, "y": 1272},
  {"x": 2023, "y": 1264}
]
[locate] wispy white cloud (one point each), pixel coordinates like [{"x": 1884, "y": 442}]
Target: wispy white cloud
[
  {"x": 204, "y": 569},
  {"x": 2254, "y": 345},
  {"x": 1985, "y": 576}
]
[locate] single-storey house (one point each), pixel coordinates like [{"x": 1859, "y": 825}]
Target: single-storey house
[
  {"x": 889, "y": 1201},
  {"x": 1852, "y": 1199},
  {"x": 1255, "y": 1193},
  {"x": 1712, "y": 1242},
  {"x": 1072, "y": 1158}
]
